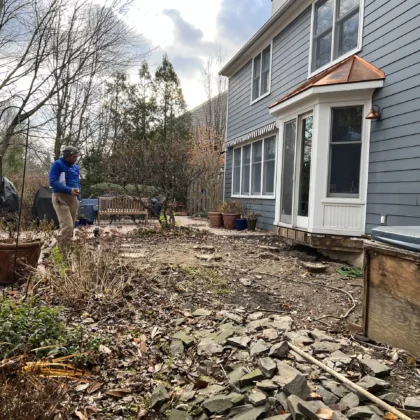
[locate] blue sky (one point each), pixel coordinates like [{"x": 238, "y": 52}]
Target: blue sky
[{"x": 189, "y": 31}]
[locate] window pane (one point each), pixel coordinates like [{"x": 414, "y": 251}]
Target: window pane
[
  {"x": 237, "y": 171},
  {"x": 345, "y": 168},
  {"x": 324, "y": 16},
  {"x": 256, "y": 168},
  {"x": 257, "y": 75},
  {"x": 269, "y": 168},
  {"x": 237, "y": 157},
  {"x": 246, "y": 168},
  {"x": 347, "y": 124},
  {"x": 270, "y": 148},
  {"x": 257, "y": 151},
  {"x": 265, "y": 75},
  {"x": 348, "y": 34},
  {"x": 347, "y": 5},
  {"x": 305, "y": 166},
  {"x": 323, "y": 50}
]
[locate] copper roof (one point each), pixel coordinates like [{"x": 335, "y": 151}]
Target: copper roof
[{"x": 351, "y": 70}]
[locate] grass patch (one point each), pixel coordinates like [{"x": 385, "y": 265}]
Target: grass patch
[{"x": 210, "y": 278}]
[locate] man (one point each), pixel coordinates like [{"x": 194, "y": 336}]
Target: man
[{"x": 65, "y": 182}]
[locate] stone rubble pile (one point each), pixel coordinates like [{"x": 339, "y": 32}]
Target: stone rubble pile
[{"x": 247, "y": 371}]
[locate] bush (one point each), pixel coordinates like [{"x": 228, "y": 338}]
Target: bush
[{"x": 27, "y": 326}]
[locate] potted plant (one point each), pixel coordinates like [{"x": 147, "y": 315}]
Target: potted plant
[
  {"x": 215, "y": 218},
  {"x": 252, "y": 219},
  {"x": 231, "y": 211},
  {"x": 241, "y": 223},
  {"x": 16, "y": 256},
  {"x": 82, "y": 220}
]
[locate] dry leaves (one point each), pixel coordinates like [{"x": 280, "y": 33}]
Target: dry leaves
[
  {"x": 118, "y": 392},
  {"x": 325, "y": 413},
  {"x": 390, "y": 416},
  {"x": 80, "y": 415}
]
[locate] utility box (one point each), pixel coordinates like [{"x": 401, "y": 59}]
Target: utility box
[{"x": 391, "y": 306}]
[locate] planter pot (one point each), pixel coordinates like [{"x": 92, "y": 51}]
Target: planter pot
[
  {"x": 240, "y": 224},
  {"x": 252, "y": 224},
  {"x": 76, "y": 224},
  {"x": 82, "y": 222},
  {"x": 229, "y": 220},
  {"x": 27, "y": 255},
  {"x": 216, "y": 219}
]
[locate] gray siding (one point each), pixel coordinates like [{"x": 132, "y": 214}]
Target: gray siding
[
  {"x": 391, "y": 42},
  {"x": 289, "y": 70}
]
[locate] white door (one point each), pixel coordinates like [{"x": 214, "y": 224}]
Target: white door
[{"x": 296, "y": 169}]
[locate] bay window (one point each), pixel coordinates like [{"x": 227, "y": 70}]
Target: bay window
[
  {"x": 336, "y": 32},
  {"x": 261, "y": 74},
  {"x": 345, "y": 151},
  {"x": 254, "y": 168}
]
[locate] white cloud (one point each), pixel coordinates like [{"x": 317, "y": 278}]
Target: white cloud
[{"x": 190, "y": 30}]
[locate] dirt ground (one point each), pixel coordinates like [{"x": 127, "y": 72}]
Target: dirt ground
[{"x": 182, "y": 271}]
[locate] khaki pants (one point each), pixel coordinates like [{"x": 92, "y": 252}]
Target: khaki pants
[{"x": 66, "y": 206}]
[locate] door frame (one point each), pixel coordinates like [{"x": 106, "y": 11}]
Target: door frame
[{"x": 297, "y": 117}]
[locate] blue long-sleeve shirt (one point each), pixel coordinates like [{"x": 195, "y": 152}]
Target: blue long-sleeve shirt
[{"x": 64, "y": 177}]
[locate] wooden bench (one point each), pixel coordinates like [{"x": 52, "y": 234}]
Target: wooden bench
[{"x": 121, "y": 206}]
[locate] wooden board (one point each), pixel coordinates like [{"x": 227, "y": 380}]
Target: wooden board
[{"x": 392, "y": 297}]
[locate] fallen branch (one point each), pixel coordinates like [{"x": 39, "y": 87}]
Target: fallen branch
[
  {"x": 320, "y": 285},
  {"x": 349, "y": 383}
]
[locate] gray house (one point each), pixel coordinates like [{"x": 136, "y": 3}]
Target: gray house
[{"x": 300, "y": 149}]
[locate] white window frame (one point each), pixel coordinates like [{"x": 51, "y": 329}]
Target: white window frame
[
  {"x": 330, "y": 143},
  {"x": 253, "y": 101},
  {"x": 259, "y": 196},
  {"x": 333, "y": 61}
]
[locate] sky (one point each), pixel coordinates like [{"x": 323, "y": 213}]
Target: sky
[{"x": 189, "y": 31}]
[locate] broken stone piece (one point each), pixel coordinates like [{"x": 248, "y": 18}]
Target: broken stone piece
[
  {"x": 328, "y": 397},
  {"x": 218, "y": 404},
  {"x": 267, "y": 366},
  {"x": 373, "y": 385},
  {"x": 186, "y": 339},
  {"x": 255, "y": 316},
  {"x": 236, "y": 398},
  {"x": 176, "y": 347},
  {"x": 339, "y": 356},
  {"x": 286, "y": 416},
  {"x": 258, "y": 324},
  {"x": 267, "y": 385},
  {"x": 349, "y": 401},
  {"x": 259, "y": 347},
  {"x": 252, "y": 377},
  {"x": 179, "y": 415},
  {"x": 282, "y": 323},
  {"x": 363, "y": 412},
  {"x": 234, "y": 317},
  {"x": 336, "y": 388},
  {"x": 251, "y": 414},
  {"x": 209, "y": 347},
  {"x": 207, "y": 257},
  {"x": 271, "y": 334},
  {"x": 241, "y": 342},
  {"x": 393, "y": 398},
  {"x": 257, "y": 399},
  {"x": 324, "y": 347},
  {"x": 201, "y": 312},
  {"x": 212, "y": 390},
  {"x": 309, "y": 408},
  {"x": 245, "y": 282},
  {"x": 237, "y": 374},
  {"x": 159, "y": 397},
  {"x": 376, "y": 368},
  {"x": 299, "y": 338},
  {"x": 279, "y": 350},
  {"x": 293, "y": 402},
  {"x": 292, "y": 381},
  {"x": 412, "y": 403},
  {"x": 319, "y": 335}
]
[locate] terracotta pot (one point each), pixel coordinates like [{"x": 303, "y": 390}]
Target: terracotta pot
[
  {"x": 27, "y": 254},
  {"x": 229, "y": 220},
  {"x": 216, "y": 219},
  {"x": 252, "y": 223}
]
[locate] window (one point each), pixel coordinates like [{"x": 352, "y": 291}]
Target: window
[
  {"x": 345, "y": 151},
  {"x": 335, "y": 30},
  {"x": 254, "y": 168},
  {"x": 261, "y": 74}
]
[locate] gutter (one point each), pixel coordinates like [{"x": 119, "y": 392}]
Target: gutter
[{"x": 259, "y": 33}]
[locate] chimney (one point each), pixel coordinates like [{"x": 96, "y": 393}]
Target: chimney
[{"x": 276, "y": 4}]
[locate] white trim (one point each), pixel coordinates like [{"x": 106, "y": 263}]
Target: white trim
[
  {"x": 333, "y": 61},
  {"x": 253, "y": 101},
  {"x": 254, "y": 196},
  {"x": 319, "y": 90}
]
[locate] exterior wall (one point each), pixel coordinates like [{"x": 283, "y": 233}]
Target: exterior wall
[
  {"x": 289, "y": 69},
  {"x": 391, "y": 42}
]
